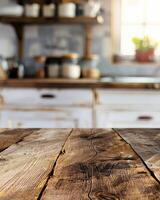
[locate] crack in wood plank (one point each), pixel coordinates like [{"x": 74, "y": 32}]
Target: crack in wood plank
[
  {"x": 142, "y": 141},
  {"x": 9, "y": 137},
  {"x": 27, "y": 164},
  {"x": 100, "y": 165},
  {"x": 51, "y": 174}
]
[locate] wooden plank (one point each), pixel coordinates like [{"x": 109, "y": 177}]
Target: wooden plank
[
  {"x": 98, "y": 164},
  {"x": 75, "y": 1},
  {"x": 57, "y": 1},
  {"x": 147, "y": 144},
  {"x": 82, "y": 20},
  {"x": 88, "y": 41},
  {"x": 9, "y": 137},
  {"x": 47, "y": 83},
  {"x": 66, "y": 83},
  {"x": 26, "y": 166}
]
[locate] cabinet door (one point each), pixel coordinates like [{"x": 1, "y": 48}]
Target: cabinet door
[{"x": 60, "y": 118}]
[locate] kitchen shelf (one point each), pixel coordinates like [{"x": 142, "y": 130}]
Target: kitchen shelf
[
  {"x": 140, "y": 83},
  {"x": 41, "y": 20},
  {"x": 41, "y": 2},
  {"x": 20, "y": 22}
]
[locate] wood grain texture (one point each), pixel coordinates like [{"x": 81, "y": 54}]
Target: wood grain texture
[
  {"x": 67, "y": 83},
  {"x": 9, "y": 137},
  {"x": 26, "y": 166},
  {"x": 147, "y": 145},
  {"x": 82, "y": 20},
  {"x": 99, "y": 164}
]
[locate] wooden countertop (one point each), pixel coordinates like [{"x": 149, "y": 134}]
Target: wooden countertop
[
  {"x": 81, "y": 83},
  {"x": 79, "y": 164}
]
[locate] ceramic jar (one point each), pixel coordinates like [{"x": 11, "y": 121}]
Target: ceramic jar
[
  {"x": 32, "y": 10},
  {"x": 49, "y": 10},
  {"x": 67, "y": 10},
  {"x": 70, "y": 67}
]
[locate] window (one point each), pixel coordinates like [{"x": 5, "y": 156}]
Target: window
[{"x": 138, "y": 18}]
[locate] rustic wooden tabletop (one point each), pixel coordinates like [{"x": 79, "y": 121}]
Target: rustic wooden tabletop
[{"x": 79, "y": 164}]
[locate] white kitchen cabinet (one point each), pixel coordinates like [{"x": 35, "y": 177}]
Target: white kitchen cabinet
[
  {"x": 59, "y": 118},
  {"x": 46, "y": 108},
  {"x": 77, "y": 108}
]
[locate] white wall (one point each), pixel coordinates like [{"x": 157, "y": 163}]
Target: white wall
[{"x": 8, "y": 41}]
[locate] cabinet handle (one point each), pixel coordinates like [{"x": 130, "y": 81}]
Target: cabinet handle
[
  {"x": 145, "y": 118},
  {"x": 48, "y": 96}
]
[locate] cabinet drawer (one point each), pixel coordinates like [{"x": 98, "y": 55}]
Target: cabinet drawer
[
  {"x": 127, "y": 119},
  {"x": 17, "y": 123},
  {"x": 124, "y": 97},
  {"x": 18, "y": 119},
  {"x": 26, "y": 97},
  {"x": 60, "y": 118}
]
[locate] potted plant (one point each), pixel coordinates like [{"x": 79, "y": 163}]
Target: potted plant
[{"x": 145, "y": 49}]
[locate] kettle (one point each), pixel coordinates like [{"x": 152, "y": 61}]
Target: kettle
[{"x": 92, "y": 8}]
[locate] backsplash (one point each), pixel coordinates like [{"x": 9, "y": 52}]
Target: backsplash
[
  {"x": 49, "y": 40},
  {"x": 133, "y": 70},
  {"x": 61, "y": 39}
]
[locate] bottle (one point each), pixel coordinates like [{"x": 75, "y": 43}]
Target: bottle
[{"x": 89, "y": 67}]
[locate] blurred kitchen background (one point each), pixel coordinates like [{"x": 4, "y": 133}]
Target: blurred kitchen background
[
  {"x": 79, "y": 63},
  {"x": 111, "y": 36}
]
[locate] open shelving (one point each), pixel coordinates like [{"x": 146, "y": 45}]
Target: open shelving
[
  {"x": 20, "y": 22},
  {"x": 41, "y": 20}
]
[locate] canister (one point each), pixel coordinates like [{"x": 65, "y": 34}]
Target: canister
[
  {"x": 67, "y": 10},
  {"x": 89, "y": 67},
  {"x": 49, "y": 10},
  {"x": 70, "y": 67},
  {"x": 52, "y": 67},
  {"x": 32, "y": 10}
]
